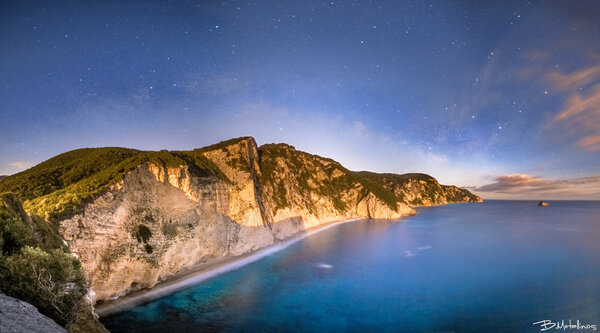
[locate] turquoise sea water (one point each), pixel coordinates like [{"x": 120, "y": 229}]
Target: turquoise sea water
[{"x": 496, "y": 266}]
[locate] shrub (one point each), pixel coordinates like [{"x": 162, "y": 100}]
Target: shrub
[
  {"x": 34, "y": 264},
  {"x": 51, "y": 281},
  {"x": 148, "y": 248},
  {"x": 169, "y": 230},
  {"x": 14, "y": 235},
  {"x": 143, "y": 234}
]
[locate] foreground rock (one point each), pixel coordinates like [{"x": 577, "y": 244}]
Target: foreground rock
[{"x": 19, "y": 316}]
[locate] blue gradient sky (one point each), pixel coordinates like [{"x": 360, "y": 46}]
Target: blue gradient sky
[{"x": 502, "y": 97}]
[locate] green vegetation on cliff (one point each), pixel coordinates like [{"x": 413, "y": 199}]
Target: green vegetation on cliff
[
  {"x": 61, "y": 186},
  {"x": 302, "y": 167},
  {"x": 36, "y": 267},
  {"x": 63, "y": 170},
  {"x": 428, "y": 187}
]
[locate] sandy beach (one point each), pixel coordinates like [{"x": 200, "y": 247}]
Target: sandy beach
[{"x": 202, "y": 271}]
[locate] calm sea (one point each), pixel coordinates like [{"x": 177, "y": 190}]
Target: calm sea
[{"x": 498, "y": 266}]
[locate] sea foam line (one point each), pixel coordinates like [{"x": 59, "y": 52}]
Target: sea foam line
[{"x": 166, "y": 288}]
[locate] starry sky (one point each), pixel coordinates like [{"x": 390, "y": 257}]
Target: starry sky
[{"x": 502, "y": 97}]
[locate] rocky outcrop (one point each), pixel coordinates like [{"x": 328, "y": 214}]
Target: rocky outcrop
[
  {"x": 319, "y": 190},
  {"x": 19, "y": 316},
  {"x": 419, "y": 189}
]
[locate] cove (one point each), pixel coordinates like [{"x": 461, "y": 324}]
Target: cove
[{"x": 495, "y": 266}]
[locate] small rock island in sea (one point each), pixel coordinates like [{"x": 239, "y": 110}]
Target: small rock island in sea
[{"x": 543, "y": 203}]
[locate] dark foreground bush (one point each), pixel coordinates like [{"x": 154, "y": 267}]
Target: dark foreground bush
[
  {"x": 51, "y": 281},
  {"x": 35, "y": 266}
]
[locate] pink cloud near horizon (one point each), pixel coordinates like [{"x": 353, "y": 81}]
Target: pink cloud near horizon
[{"x": 527, "y": 186}]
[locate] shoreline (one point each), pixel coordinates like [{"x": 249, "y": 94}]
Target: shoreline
[{"x": 198, "y": 273}]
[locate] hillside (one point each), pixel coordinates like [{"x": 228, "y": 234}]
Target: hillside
[
  {"x": 418, "y": 189},
  {"x": 134, "y": 218},
  {"x": 61, "y": 186}
]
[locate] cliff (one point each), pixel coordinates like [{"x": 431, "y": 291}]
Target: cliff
[
  {"x": 134, "y": 218},
  {"x": 159, "y": 218},
  {"x": 418, "y": 189}
]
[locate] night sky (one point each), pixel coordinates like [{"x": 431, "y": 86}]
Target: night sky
[{"x": 501, "y": 96}]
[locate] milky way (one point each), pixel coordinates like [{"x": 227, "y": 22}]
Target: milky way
[{"x": 502, "y": 97}]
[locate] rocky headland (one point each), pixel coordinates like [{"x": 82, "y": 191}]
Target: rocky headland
[{"x": 130, "y": 219}]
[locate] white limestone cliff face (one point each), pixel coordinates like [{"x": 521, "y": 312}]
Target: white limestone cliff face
[
  {"x": 423, "y": 193},
  {"x": 146, "y": 229},
  {"x": 159, "y": 220},
  {"x": 239, "y": 164},
  {"x": 306, "y": 191}
]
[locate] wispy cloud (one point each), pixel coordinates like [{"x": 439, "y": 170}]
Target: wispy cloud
[
  {"x": 576, "y": 118},
  {"x": 9, "y": 168},
  {"x": 575, "y": 80},
  {"x": 536, "y": 55},
  {"x": 580, "y": 113},
  {"x": 580, "y": 116},
  {"x": 20, "y": 165},
  {"x": 518, "y": 183},
  {"x": 523, "y": 184}
]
